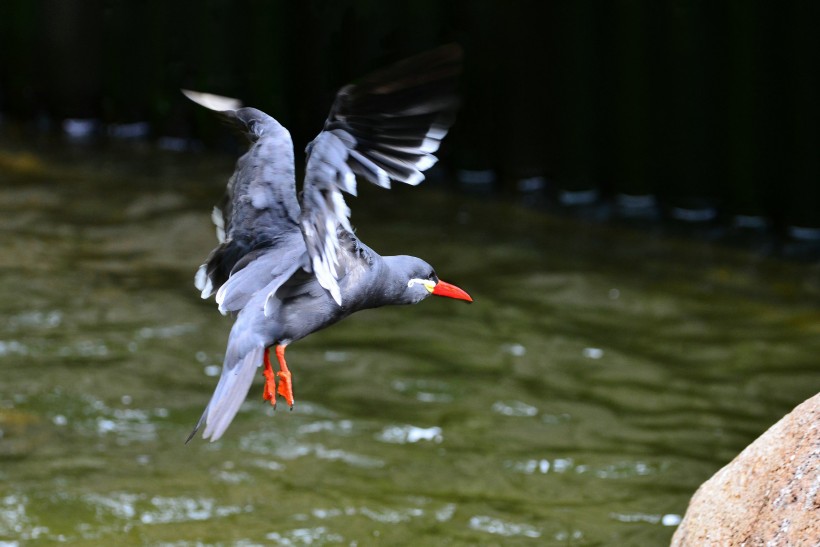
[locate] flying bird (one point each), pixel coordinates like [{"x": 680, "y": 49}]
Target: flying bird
[{"x": 288, "y": 266}]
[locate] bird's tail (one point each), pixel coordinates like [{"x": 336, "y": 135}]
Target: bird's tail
[{"x": 229, "y": 395}]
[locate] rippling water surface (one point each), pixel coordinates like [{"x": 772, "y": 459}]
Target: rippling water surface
[{"x": 601, "y": 375}]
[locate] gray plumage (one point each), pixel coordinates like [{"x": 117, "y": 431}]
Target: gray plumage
[{"x": 289, "y": 268}]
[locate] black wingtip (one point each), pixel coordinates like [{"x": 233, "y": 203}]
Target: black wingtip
[
  {"x": 398, "y": 116},
  {"x": 448, "y": 54},
  {"x": 436, "y": 65}
]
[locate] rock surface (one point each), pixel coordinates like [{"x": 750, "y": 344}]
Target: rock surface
[{"x": 768, "y": 495}]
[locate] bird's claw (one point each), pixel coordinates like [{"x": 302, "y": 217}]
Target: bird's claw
[
  {"x": 269, "y": 392},
  {"x": 285, "y": 388}
]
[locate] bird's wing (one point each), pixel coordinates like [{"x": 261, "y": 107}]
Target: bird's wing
[
  {"x": 259, "y": 210},
  {"x": 384, "y": 128},
  {"x": 259, "y": 269}
]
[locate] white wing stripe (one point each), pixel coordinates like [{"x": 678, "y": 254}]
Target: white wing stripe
[{"x": 384, "y": 129}]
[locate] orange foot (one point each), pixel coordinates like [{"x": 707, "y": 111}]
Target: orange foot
[
  {"x": 269, "y": 392},
  {"x": 285, "y": 388}
]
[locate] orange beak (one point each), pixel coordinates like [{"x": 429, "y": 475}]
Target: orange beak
[{"x": 450, "y": 291}]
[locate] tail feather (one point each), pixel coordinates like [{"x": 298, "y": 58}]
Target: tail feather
[{"x": 230, "y": 393}]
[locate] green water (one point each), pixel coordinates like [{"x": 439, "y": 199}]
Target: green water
[{"x": 600, "y": 376}]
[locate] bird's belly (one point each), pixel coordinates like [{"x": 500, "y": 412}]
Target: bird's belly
[{"x": 303, "y": 316}]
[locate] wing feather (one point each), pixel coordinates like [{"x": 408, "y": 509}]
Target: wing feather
[
  {"x": 384, "y": 128},
  {"x": 260, "y": 202},
  {"x": 257, "y": 270}
]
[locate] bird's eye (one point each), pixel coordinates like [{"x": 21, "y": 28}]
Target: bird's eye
[{"x": 431, "y": 275}]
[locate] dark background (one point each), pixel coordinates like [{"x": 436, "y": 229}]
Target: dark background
[{"x": 708, "y": 107}]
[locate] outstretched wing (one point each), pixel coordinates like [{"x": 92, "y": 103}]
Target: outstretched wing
[
  {"x": 259, "y": 211},
  {"x": 384, "y": 128}
]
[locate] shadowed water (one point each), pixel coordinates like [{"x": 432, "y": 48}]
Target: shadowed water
[{"x": 601, "y": 375}]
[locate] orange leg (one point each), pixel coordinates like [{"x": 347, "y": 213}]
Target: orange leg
[
  {"x": 285, "y": 388},
  {"x": 269, "y": 392}
]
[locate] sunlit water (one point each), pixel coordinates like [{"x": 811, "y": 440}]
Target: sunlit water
[{"x": 600, "y": 376}]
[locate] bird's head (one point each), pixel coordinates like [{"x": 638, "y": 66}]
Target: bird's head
[{"x": 417, "y": 280}]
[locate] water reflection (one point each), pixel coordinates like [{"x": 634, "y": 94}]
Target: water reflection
[
  {"x": 514, "y": 408},
  {"x": 665, "y": 520},
  {"x": 502, "y": 528},
  {"x": 600, "y": 377},
  {"x": 403, "y": 434}
]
